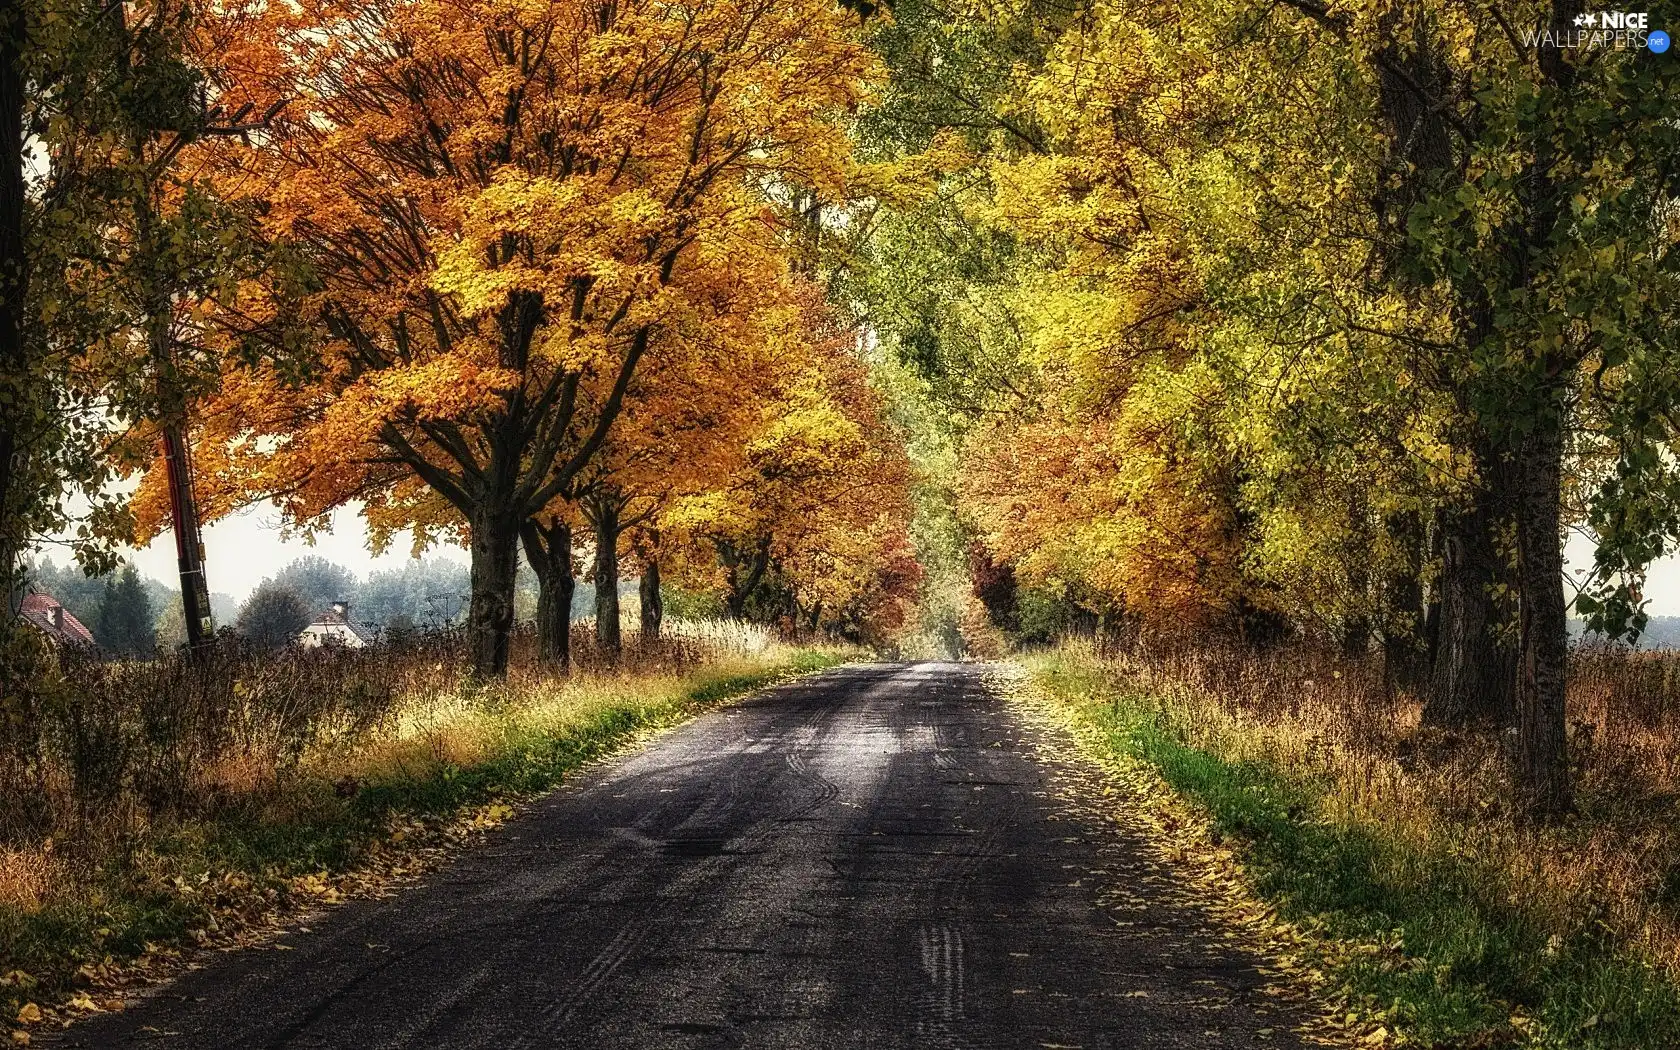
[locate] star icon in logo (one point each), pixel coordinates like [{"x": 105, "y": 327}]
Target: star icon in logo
[{"x": 1588, "y": 20}]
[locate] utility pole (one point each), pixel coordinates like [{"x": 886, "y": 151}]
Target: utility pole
[
  {"x": 152, "y": 152},
  {"x": 189, "y": 543}
]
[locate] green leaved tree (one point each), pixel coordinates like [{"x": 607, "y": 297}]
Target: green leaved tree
[
  {"x": 125, "y": 624},
  {"x": 273, "y": 616}
]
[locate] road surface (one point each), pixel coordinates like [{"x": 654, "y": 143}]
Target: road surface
[{"x": 872, "y": 857}]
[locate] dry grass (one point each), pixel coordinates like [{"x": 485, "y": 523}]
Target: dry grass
[
  {"x": 1439, "y": 914},
  {"x": 28, "y": 877},
  {"x": 463, "y": 728},
  {"x": 93, "y": 751},
  {"x": 175, "y": 801},
  {"x": 1614, "y": 870}
]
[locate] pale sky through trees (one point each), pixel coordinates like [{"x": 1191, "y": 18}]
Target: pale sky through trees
[{"x": 244, "y": 549}]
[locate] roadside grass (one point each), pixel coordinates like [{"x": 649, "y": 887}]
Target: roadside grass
[
  {"x": 1411, "y": 910},
  {"x": 352, "y": 814}
]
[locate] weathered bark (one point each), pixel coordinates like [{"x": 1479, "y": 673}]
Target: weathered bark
[
  {"x": 603, "y": 517},
  {"x": 1542, "y": 746},
  {"x": 549, "y": 550},
  {"x": 743, "y": 573},
  {"x": 1542, "y": 752},
  {"x": 1473, "y": 675},
  {"x": 495, "y": 557},
  {"x": 653, "y": 605},
  {"x": 1475, "y": 667}
]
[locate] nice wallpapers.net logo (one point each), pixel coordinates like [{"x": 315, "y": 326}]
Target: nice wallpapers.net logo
[{"x": 1620, "y": 30}]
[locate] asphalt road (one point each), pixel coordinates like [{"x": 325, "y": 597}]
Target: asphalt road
[{"x": 874, "y": 857}]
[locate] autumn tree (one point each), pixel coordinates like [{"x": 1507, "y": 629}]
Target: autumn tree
[
  {"x": 1524, "y": 181},
  {"x": 500, "y": 207},
  {"x": 125, "y": 621},
  {"x": 110, "y": 239},
  {"x": 688, "y": 416},
  {"x": 74, "y": 88},
  {"x": 51, "y": 56},
  {"x": 1360, "y": 287},
  {"x": 822, "y": 469},
  {"x": 317, "y": 581},
  {"x": 274, "y": 615}
]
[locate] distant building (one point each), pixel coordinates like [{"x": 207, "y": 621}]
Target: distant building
[
  {"x": 42, "y": 611},
  {"x": 334, "y": 627}
]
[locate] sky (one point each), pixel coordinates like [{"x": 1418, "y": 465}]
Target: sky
[
  {"x": 242, "y": 550},
  {"x": 1662, "y": 584}
]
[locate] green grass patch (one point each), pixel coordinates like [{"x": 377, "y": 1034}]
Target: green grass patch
[
  {"x": 1459, "y": 963},
  {"x": 166, "y": 886}
]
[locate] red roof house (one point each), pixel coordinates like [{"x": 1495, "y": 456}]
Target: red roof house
[{"x": 54, "y": 620}]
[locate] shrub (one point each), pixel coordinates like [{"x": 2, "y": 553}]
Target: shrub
[{"x": 274, "y": 615}]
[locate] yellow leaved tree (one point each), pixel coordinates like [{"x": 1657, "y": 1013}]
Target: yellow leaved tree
[{"x": 499, "y": 208}]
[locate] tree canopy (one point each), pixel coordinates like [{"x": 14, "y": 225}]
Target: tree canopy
[
  {"x": 1269, "y": 318},
  {"x": 1298, "y": 319}
]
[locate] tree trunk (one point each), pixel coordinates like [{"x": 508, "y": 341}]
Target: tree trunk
[
  {"x": 604, "y": 517},
  {"x": 15, "y": 379},
  {"x": 1542, "y": 749},
  {"x": 1082, "y": 622},
  {"x": 792, "y": 614},
  {"x": 549, "y": 550},
  {"x": 1542, "y": 752},
  {"x": 495, "y": 557},
  {"x": 1404, "y": 631},
  {"x": 1357, "y": 628},
  {"x": 1475, "y": 670},
  {"x": 1432, "y": 603},
  {"x": 743, "y": 584},
  {"x": 1111, "y": 629},
  {"x": 653, "y": 606}
]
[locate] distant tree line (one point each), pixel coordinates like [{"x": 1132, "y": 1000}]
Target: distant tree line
[
  {"x": 430, "y": 592},
  {"x": 425, "y": 593},
  {"x": 131, "y": 614}
]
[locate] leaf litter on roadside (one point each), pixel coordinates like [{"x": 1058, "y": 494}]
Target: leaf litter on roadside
[{"x": 1207, "y": 873}]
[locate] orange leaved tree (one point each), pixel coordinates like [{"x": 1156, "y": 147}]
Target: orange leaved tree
[
  {"x": 497, "y": 204},
  {"x": 688, "y": 415},
  {"x": 819, "y": 504}
]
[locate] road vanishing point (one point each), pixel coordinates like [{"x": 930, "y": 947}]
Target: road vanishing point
[{"x": 881, "y": 855}]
